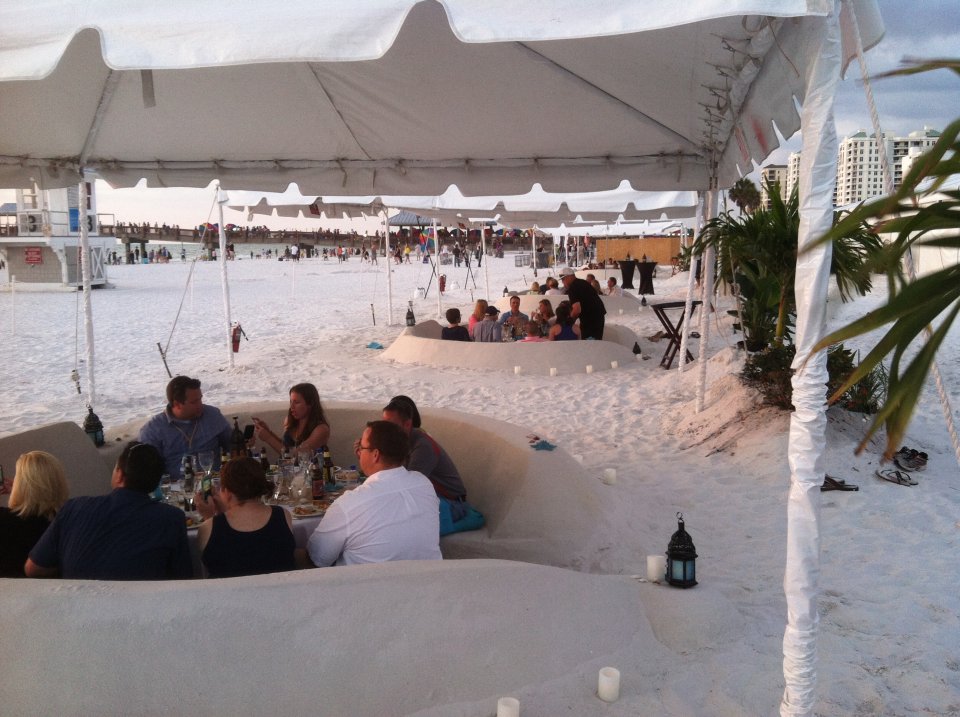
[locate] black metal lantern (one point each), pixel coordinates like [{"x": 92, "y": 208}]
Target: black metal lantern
[
  {"x": 681, "y": 558},
  {"x": 93, "y": 427}
]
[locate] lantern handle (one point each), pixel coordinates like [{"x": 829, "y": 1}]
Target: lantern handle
[{"x": 679, "y": 516}]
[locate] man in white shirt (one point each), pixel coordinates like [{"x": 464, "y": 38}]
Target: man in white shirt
[{"x": 394, "y": 515}]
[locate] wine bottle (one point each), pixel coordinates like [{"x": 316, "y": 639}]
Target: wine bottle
[{"x": 238, "y": 446}]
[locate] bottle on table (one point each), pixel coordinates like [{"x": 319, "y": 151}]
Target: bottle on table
[
  {"x": 327, "y": 470},
  {"x": 189, "y": 482},
  {"x": 238, "y": 446},
  {"x": 264, "y": 461},
  {"x": 315, "y": 474},
  {"x": 224, "y": 457}
]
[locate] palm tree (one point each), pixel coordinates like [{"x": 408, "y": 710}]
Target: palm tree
[
  {"x": 758, "y": 251},
  {"x": 745, "y": 195},
  {"x": 917, "y": 209}
]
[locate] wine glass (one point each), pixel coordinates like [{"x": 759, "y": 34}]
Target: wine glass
[
  {"x": 205, "y": 459},
  {"x": 165, "y": 487}
]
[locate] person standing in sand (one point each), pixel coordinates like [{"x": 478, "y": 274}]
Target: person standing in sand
[{"x": 585, "y": 304}]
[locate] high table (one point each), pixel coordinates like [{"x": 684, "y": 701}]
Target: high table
[
  {"x": 646, "y": 270},
  {"x": 672, "y": 331},
  {"x": 627, "y": 267}
]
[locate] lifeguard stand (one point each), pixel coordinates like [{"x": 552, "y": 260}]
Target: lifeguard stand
[{"x": 40, "y": 244}]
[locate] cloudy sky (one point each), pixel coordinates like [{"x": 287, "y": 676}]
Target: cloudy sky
[{"x": 926, "y": 29}]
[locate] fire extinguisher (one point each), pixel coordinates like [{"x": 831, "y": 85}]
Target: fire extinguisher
[
  {"x": 235, "y": 334},
  {"x": 443, "y": 283}
]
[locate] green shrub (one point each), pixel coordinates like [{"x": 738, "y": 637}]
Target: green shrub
[{"x": 769, "y": 372}]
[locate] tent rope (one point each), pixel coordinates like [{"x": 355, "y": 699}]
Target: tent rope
[{"x": 889, "y": 189}]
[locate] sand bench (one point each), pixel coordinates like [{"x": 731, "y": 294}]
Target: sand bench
[
  {"x": 88, "y": 468},
  {"x": 421, "y": 344},
  {"x": 540, "y": 506}
]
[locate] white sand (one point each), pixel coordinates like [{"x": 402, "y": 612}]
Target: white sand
[{"x": 889, "y": 628}]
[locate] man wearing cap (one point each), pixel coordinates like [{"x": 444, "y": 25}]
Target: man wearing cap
[
  {"x": 585, "y": 303},
  {"x": 489, "y": 330}
]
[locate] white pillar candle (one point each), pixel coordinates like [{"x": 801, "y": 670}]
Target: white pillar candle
[
  {"x": 609, "y": 476},
  {"x": 614, "y": 364},
  {"x": 621, "y": 312},
  {"x": 510, "y": 706},
  {"x": 589, "y": 368},
  {"x": 516, "y": 369},
  {"x": 656, "y": 568},
  {"x": 553, "y": 371},
  {"x": 608, "y": 684},
  {"x": 578, "y": 458}
]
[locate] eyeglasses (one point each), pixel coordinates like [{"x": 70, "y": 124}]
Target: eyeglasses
[{"x": 365, "y": 448}]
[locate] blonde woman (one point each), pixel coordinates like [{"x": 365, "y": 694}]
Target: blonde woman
[
  {"x": 479, "y": 311},
  {"x": 39, "y": 489}
]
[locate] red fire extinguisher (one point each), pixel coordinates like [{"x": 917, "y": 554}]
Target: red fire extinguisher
[
  {"x": 443, "y": 283},
  {"x": 235, "y": 334}
]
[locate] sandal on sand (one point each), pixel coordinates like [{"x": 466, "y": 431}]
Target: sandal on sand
[
  {"x": 831, "y": 483},
  {"x": 899, "y": 477}
]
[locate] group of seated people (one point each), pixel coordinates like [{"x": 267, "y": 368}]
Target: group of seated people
[
  {"x": 487, "y": 325},
  {"x": 412, "y": 494}
]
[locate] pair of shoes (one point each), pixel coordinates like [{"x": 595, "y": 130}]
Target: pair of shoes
[
  {"x": 910, "y": 459},
  {"x": 656, "y": 337},
  {"x": 898, "y": 477},
  {"x": 694, "y": 334},
  {"x": 831, "y": 483}
]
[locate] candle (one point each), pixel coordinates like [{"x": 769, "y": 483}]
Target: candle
[
  {"x": 609, "y": 476},
  {"x": 621, "y": 312},
  {"x": 516, "y": 369},
  {"x": 553, "y": 371},
  {"x": 589, "y": 368},
  {"x": 608, "y": 684},
  {"x": 510, "y": 706},
  {"x": 656, "y": 568},
  {"x": 614, "y": 364},
  {"x": 578, "y": 458}
]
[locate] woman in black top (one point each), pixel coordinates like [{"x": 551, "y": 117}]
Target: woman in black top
[
  {"x": 248, "y": 538},
  {"x": 39, "y": 489}
]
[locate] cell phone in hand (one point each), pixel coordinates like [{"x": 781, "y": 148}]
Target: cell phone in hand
[{"x": 248, "y": 432}]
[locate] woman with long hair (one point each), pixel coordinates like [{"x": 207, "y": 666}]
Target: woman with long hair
[
  {"x": 564, "y": 329},
  {"x": 304, "y": 429},
  {"x": 39, "y": 490},
  {"x": 479, "y": 311}
]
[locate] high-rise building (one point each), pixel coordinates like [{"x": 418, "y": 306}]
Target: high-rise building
[
  {"x": 859, "y": 171},
  {"x": 770, "y": 175}
]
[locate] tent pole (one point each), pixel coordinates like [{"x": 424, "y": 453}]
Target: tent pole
[
  {"x": 688, "y": 305},
  {"x": 808, "y": 422},
  {"x": 386, "y": 234},
  {"x": 436, "y": 250},
  {"x": 87, "y": 277},
  {"x": 706, "y": 287},
  {"x": 221, "y": 200},
  {"x": 533, "y": 250},
  {"x": 485, "y": 259}
]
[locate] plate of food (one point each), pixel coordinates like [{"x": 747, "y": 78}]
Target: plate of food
[
  {"x": 307, "y": 510},
  {"x": 194, "y": 520}
]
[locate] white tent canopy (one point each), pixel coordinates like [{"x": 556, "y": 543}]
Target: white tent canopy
[
  {"x": 363, "y": 98},
  {"x": 452, "y": 206},
  {"x": 348, "y": 98}
]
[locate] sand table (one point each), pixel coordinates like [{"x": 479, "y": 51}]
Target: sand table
[{"x": 421, "y": 344}]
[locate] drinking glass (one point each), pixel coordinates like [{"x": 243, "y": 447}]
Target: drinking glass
[
  {"x": 165, "y": 487},
  {"x": 205, "y": 459}
]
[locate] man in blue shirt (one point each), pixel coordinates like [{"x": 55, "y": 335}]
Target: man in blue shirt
[
  {"x": 123, "y": 535},
  {"x": 514, "y": 319},
  {"x": 186, "y": 427}
]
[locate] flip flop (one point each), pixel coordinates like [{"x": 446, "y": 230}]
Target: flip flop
[
  {"x": 898, "y": 477},
  {"x": 831, "y": 483}
]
